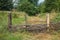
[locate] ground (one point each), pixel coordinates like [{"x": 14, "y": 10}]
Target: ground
[
  {"x": 30, "y": 36},
  {"x": 18, "y": 19}
]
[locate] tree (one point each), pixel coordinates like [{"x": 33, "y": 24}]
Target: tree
[
  {"x": 42, "y": 7},
  {"x": 35, "y": 2},
  {"x": 28, "y": 7},
  {"x": 52, "y": 5},
  {"x": 6, "y": 4}
]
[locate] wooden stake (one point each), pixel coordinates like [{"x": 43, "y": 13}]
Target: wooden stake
[
  {"x": 26, "y": 20},
  {"x": 10, "y": 20},
  {"x": 48, "y": 21}
]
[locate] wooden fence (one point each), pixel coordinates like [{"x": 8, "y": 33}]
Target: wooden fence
[{"x": 26, "y": 23}]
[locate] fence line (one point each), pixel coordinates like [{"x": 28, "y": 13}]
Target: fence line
[{"x": 10, "y": 20}]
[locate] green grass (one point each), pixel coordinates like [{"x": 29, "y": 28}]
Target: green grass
[
  {"x": 18, "y": 21},
  {"x": 15, "y": 36},
  {"x": 9, "y": 36},
  {"x": 57, "y": 18},
  {"x": 6, "y": 35},
  {"x": 15, "y": 20},
  {"x": 28, "y": 36}
]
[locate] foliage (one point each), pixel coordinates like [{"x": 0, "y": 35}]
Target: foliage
[
  {"x": 57, "y": 18},
  {"x": 52, "y": 5},
  {"x": 34, "y": 2},
  {"x": 28, "y": 7},
  {"x": 42, "y": 7},
  {"x": 6, "y": 4}
]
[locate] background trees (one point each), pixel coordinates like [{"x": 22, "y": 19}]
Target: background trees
[
  {"x": 42, "y": 7},
  {"x": 34, "y": 2},
  {"x": 28, "y": 6},
  {"x": 52, "y": 5},
  {"x": 6, "y": 4},
  {"x": 31, "y": 6}
]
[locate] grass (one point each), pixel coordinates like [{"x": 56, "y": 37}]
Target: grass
[
  {"x": 19, "y": 19},
  {"x": 9, "y": 36},
  {"x": 29, "y": 36},
  {"x": 57, "y": 18}
]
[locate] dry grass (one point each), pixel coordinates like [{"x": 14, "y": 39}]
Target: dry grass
[
  {"x": 40, "y": 36},
  {"x": 37, "y": 19},
  {"x": 53, "y": 15}
]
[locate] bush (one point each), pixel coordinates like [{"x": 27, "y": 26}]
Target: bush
[{"x": 29, "y": 8}]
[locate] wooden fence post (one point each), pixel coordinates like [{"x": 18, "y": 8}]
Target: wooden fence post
[
  {"x": 48, "y": 21},
  {"x": 10, "y": 20},
  {"x": 25, "y": 19}
]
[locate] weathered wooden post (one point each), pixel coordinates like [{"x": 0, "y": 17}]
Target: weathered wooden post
[
  {"x": 25, "y": 19},
  {"x": 48, "y": 21},
  {"x": 10, "y": 20}
]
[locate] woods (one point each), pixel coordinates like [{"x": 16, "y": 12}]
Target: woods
[
  {"x": 6, "y": 4},
  {"x": 31, "y": 7},
  {"x": 52, "y": 5}
]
